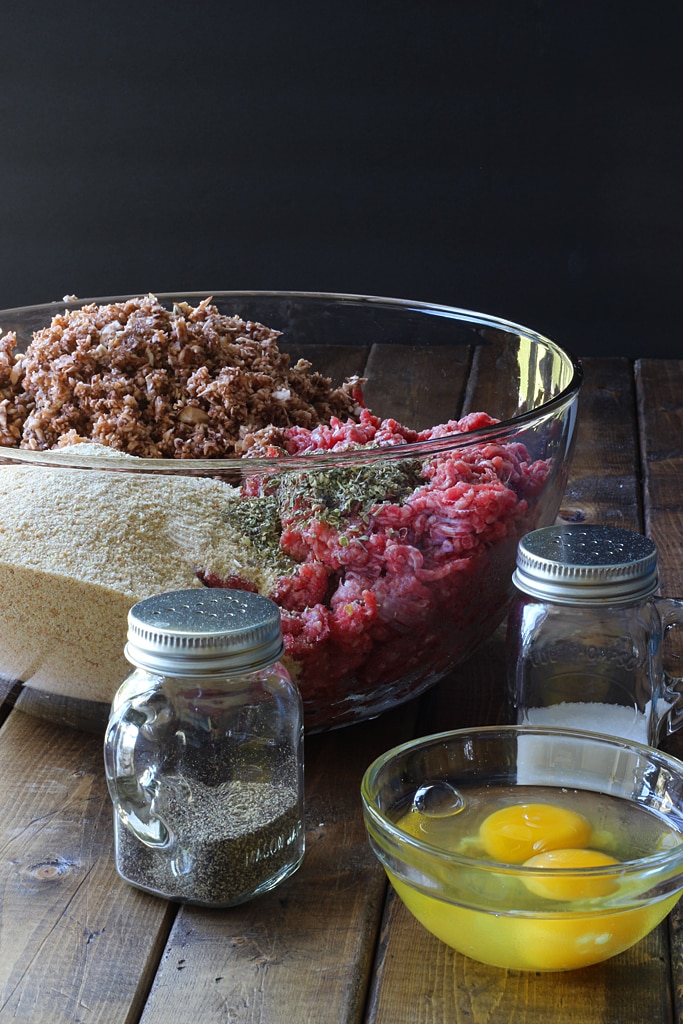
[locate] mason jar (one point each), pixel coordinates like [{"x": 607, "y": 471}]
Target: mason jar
[
  {"x": 586, "y": 631},
  {"x": 204, "y": 750}
]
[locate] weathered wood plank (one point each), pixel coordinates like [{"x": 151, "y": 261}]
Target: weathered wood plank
[
  {"x": 430, "y": 393},
  {"x": 304, "y": 951},
  {"x": 603, "y": 485},
  {"x": 660, "y": 406},
  {"x": 76, "y": 944}
]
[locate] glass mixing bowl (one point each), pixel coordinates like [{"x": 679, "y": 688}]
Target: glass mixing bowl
[
  {"x": 388, "y": 550},
  {"x": 529, "y": 849}
]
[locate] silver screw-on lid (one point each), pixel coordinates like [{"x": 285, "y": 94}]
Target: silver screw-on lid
[
  {"x": 204, "y": 632},
  {"x": 576, "y": 564}
]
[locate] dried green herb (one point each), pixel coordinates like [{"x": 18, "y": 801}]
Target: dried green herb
[
  {"x": 258, "y": 519},
  {"x": 337, "y": 495},
  {"x": 341, "y": 497}
]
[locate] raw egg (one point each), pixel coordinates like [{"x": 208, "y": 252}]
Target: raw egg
[
  {"x": 571, "y": 887},
  {"x": 556, "y": 942},
  {"x": 515, "y": 833}
]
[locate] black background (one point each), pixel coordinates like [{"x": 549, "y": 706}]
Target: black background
[{"x": 518, "y": 158}]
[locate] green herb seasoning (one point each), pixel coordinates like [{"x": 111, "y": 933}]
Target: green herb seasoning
[
  {"x": 258, "y": 520},
  {"x": 342, "y": 497},
  {"x": 339, "y": 494}
]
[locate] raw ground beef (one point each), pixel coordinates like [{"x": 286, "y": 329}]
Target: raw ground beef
[{"x": 391, "y": 592}]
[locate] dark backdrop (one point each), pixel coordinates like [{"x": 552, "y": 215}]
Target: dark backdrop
[{"x": 517, "y": 158}]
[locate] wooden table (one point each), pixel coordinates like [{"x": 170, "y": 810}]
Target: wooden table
[{"x": 332, "y": 944}]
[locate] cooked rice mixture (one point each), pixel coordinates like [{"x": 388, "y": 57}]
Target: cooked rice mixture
[{"x": 185, "y": 383}]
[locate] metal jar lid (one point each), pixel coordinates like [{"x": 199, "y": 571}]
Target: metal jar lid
[
  {"x": 204, "y": 632},
  {"x": 576, "y": 564}
]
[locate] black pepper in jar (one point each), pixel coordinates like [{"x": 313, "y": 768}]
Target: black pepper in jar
[{"x": 204, "y": 750}]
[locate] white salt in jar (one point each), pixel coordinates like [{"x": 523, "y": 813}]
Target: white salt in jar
[
  {"x": 586, "y": 634},
  {"x": 204, "y": 750}
]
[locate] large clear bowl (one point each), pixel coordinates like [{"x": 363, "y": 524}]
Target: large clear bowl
[
  {"x": 433, "y": 809},
  {"x": 381, "y": 596}
]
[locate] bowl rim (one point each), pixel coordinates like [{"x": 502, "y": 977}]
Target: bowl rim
[
  {"x": 653, "y": 862},
  {"x": 289, "y": 463}
]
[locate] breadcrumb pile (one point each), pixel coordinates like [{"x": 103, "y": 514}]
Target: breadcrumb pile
[{"x": 186, "y": 383}]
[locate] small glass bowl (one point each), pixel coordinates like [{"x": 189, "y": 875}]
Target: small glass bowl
[{"x": 424, "y": 803}]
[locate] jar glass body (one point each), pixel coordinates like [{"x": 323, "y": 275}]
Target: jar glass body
[
  {"x": 206, "y": 777},
  {"x": 592, "y": 666}
]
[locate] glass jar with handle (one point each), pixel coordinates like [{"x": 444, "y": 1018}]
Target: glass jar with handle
[
  {"x": 586, "y": 633},
  {"x": 204, "y": 750}
]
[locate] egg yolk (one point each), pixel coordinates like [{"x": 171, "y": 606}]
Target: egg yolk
[
  {"x": 515, "y": 833},
  {"x": 571, "y": 887}
]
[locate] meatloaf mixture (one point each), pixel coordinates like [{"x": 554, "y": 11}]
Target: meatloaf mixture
[{"x": 386, "y": 572}]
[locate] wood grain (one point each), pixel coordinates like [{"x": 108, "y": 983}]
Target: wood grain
[
  {"x": 603, "y": 487},
  {"x": 432, "y": 393},
  {"x": 660, "y": 416},
  {"x": 303, "y": 952},
  {"x": 76, "y": 944}
]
